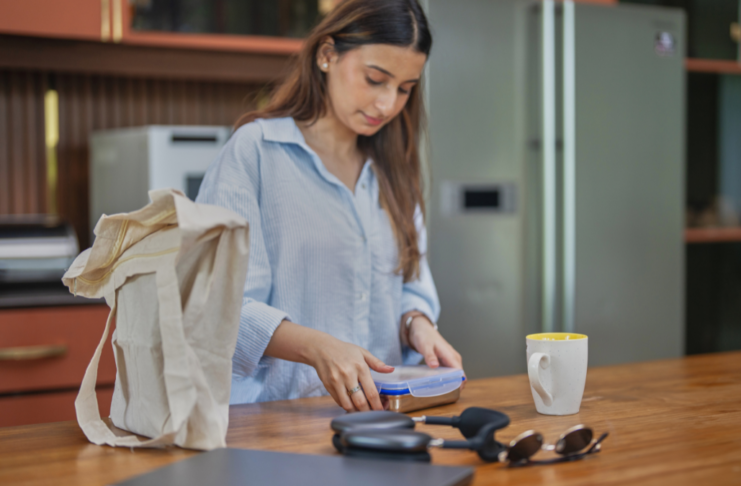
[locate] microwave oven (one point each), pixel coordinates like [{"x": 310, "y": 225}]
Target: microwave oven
[{"x": 125, "y": 164}]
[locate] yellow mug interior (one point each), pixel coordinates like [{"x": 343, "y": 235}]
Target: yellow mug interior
[{"x": 557, "y": 336}]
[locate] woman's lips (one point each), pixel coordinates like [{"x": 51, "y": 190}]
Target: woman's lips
[{"x": 373, "y": 121}]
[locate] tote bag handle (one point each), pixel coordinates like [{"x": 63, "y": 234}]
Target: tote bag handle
[{"x": 180, "y": 390}]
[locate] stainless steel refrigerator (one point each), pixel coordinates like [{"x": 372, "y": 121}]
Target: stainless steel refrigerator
[{"x": 556, "y": 138}]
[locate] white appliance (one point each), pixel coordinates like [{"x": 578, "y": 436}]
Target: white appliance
[
  {"x": 125, "y": 164},
  {"x": 35, "y": 248},
  {"x": 557, "y": 153}
]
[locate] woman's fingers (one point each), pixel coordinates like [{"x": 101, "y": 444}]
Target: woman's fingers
[
  {"x": 338, "y": 393},
  {"x": 376, "y": 364},
  {"x": 343, "y": 367},
  {"x": 333, "y": 394},
  {"x": 343, "y": 399},
  {"x": 358, "y": 397},
  {"x": 370, "y": 390},
  {"x": 431, "y": 358},
  {"x": 427, "y": 350},
  {"x": 433, "y": 347},
  {"x": 450, "y": 358}
]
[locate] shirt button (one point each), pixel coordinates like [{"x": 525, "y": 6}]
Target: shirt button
[
  {"x": 363, "y": 185},
  {"x": 363, "y": 296}
]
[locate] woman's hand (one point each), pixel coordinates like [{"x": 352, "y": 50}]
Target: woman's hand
[
  {"x": 427, "y": 341},
  {"x": 341, "y": 366}
]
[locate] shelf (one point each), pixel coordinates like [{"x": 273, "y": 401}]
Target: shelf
[
  {"x": 253, "y": 44},
  {"x": 713, "y": 66},
  {"x": 712, "y": 235},
  {"x": 145, "y": 60},
  {"x": 216, "y": 42}
]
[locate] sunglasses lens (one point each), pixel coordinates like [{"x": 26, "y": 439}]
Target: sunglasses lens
[
  {"x": 525, "y": 447},
  {"x": 574, "y": 441}
]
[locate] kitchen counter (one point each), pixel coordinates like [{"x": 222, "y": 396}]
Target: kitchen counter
[
  {"x": 40, "y": 295},
  {"x": 670, "y": 422}
]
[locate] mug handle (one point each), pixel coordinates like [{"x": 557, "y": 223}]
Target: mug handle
[{"x": 537, "y": 361}]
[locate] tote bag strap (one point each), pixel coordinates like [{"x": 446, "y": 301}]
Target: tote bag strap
[
  {"x": 180, "y": 390},
  {"x": 86, "y": 404},
  {"x": 178, "y": 375}
]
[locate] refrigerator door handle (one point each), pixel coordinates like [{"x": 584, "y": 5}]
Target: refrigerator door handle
[
  {"x": 549, "y": 166},
  {"x": 569, "y": 165}
]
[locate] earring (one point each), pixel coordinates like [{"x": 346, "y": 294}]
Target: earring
[{"x": 325, "y": 65}]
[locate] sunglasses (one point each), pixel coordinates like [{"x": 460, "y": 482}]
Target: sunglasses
[{"x": 569, "y": 445}]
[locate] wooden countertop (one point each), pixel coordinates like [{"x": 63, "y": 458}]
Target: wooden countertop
[{"x": 670, "y": 422}]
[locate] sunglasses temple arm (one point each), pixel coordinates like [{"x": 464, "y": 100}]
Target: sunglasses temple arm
[{"x": 597, "y": 442}]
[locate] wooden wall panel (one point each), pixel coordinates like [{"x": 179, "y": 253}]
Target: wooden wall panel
[
  {"x": 22, "y": 143},
  {"x": 86, "y": 103}
]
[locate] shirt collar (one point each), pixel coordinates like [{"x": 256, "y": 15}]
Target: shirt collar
[
  {"x": 285, "y": 130},
  {"x": 281, "y": 130}
]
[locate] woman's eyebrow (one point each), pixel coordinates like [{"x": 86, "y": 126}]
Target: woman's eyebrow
[{"x": 373, "y": 66}]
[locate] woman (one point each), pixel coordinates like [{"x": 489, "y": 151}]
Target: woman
[{"x": 328, "y": 176}]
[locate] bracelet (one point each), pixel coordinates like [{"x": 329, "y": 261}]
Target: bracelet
[{"x": 408, "y": 324}]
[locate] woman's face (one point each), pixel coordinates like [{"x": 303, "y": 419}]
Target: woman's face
[{"x": 368, "y": 86}]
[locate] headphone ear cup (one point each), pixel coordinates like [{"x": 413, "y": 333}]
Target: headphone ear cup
[
  {"x": 337, "y": 443},
  {"x": 388, "y": 456},
  {"x": 402, "y": 440},
  {"x": 376, "y": 420},
  {"x": 473, "y": 419}
]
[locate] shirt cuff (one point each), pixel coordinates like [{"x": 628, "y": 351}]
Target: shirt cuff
[
  {"x": 411, "y": 302},
  {"x": 258, "y": 321}
]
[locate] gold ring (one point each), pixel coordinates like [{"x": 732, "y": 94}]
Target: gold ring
[{"x": 354, "y": 390}]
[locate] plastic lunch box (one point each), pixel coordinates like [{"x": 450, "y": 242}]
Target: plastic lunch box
[{"x": 410, "y": 388}]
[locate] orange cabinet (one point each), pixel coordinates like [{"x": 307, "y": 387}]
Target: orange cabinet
[
  {"x": 110, "y": 21},
  {"x": 47, "y": 407},
  {"x": 123, "y": 32},
  {"x": 44, "y": 353},
  {"x": 74, "y": 19}
]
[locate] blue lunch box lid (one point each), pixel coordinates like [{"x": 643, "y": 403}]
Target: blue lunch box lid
[{"x": 418, "y": 381}]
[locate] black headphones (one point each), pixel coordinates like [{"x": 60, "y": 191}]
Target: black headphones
[{"x": 390, "y": 435}]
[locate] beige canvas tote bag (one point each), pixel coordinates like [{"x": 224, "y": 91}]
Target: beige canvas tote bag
[{"x": 173, "y": 275}]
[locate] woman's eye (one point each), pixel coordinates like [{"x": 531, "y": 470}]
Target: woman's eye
[
  {"x": 373, "y": 82},
  {"x": 404, "y": 91}
]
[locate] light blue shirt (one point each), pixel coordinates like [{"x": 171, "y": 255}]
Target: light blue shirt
[{"x": 320, "y": 256}]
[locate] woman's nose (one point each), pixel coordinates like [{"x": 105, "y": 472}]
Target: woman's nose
[{"x": 385, "y": 102}]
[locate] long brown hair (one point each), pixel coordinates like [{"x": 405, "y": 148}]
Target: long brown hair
[{"x": 395, "y": 148}]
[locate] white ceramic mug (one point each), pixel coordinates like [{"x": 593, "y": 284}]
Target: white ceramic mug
[{"x": 557, "y": 367}]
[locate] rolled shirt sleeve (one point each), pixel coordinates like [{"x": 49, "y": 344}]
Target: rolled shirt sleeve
[
  {"x": 233, "y": 182},
  {"x": 420, "y": 295}
]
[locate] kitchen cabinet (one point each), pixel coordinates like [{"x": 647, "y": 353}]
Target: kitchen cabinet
[
  {"x": 275, "y": 18},
  {"x": 44, "y": 352},
  {"x": 713, "y": 236},
  {"x": 43, "y": 408},
  {"x": 713, "y": 174},
  {"x": 257, "y": 26},
  {"x": 74, "y": 19},
  {"x": 712, "y": 26},
  {"x": 124, "y": 21}
]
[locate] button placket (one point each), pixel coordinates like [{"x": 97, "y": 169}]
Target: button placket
[{"x": 362, "y": 201}]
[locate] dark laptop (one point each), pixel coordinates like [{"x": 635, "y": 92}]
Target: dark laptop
[{"x": 232, "y": 467}]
